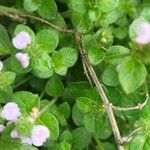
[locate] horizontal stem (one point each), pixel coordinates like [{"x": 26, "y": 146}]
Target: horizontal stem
[{"x": 108, "y": 57}]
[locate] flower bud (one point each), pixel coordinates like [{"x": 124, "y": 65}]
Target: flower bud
[
  {"x": 1, "y": 65},
  {"x": 11, "y": 111},
  {"x": 2, "y": 128},
  {"x": 14, "y": 134},
  {"x": 23, "y": 59},
  {"x": 22, "y": 40}
]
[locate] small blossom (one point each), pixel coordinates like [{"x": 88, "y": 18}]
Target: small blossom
[
  {"x": 22, "y": 40},
  {"x": 2, "y": 128},
  {"x": 26, "y": 140},
  {"x": 39, "y": 135},
  {"x": 23, "y": 59},
  {"x": 118, "y": 68},
  {"x": 11, "y": 111},
  {"x": 143, "y": 33},
  {"x": 1, "y": 65},
  {"x": 14, "y": 134}
]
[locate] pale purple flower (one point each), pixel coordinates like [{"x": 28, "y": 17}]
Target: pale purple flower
[
  {"x": 22, "y": 40},
  {"x": 39, "y": 135},
  {"x": 143, "y": 33},
  {"x": 23, "y": 59},
  {"x": 14, "y": 134},
  {"x": 26, "y": 140},
  {"x": 11, "y": 111},
  {"x": 1, "y": 65},
  {"x": 2, "y": 128}
]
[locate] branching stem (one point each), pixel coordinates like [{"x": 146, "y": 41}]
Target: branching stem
[{"x": 20, "y": 16}]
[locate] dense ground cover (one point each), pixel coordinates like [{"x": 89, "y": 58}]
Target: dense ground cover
[{"x": 74, "y": 74}]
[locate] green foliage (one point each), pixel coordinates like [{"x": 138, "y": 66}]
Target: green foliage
[
  {"x": 63, "y": 59},
  {"x": 51, "y": 122},
  {"x": 5, "y": 44},
  {"x": 54, "y": 87},
  {"x": 53, "y": 90},
  {"x": 49, "y": 43},
  {"x": 129, "y": 75},
  {"x": 26, "y": 100}
]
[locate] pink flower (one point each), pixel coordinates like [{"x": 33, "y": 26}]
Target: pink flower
[
  {"x": 2, "y": 128},
  {"x": 143, "y": 33},
  {"x": 11, "y": 111},
  {"x": 14, "y": 134},
  {"x": 22, "y": 40},
  {"x": 39, "y": 135},
  {"x": 26, "y": 140},
  {"x": 1, "y": 65},
  {"x": 23, "y": 59}
]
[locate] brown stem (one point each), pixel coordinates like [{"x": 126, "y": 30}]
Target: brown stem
[
  {"x": 138, "y": 107},
  {"x": 101, "y": 92}
]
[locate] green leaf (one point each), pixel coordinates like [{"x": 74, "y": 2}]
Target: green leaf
[
  {"x": 78, "y": 89},
  {"x": 107, "y": 5},
  {"x": 25, "y": 28},
  {"x": 95, "y": 55},
  {"x": 29, "y": 5},
  {"x": 78, "y": 6},
  {"x": 47, "y": 9},
  {"x": 81, "y": 138},
  {"x": 64, "y": 146},
  {"x": 42, "y": 67},
  {"x": 5, "y": 96},
  {"x": 131, "y": 75},
  {"x": 5, "y": 44},
  {"x": 65, "y": 136},
  {"x": 115, "y": 51},
  {"x": 110, "y": 76},
  {"x": 49, "y": 43},
  {"x": 54, "y": 87},
  {"x": 26, "y": 101},
  {"x": 146, "y": 13},
  {"x": 81, "y": 22},
  {"x": 77, "y": 116},
  {"x": 89, "y": 123},
  {"x": 57, "y": 60},
  {"x": 84, "y": 104},
  {"x": 120, "y": 32},
  {"x": 140, "y": 142},
  {"x": 64, "y": 109},
  {"x": 51, "y": 122},
  {"x": 63, "y": 59},
  {"x": 69, "y": 55},
  {"x": 6, "y": 79}
]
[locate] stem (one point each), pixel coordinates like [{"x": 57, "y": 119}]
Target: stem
[
  {"x": 53, "y": 101},
  {"x": 4, "y": 10},
  {"x": 138, "y": 107},
  {"x": 117, "y": 56},
  {"x": 101, "y": 92},
  {"x": 42, "y": 93},
  {"x": 99, "y": 144},
  {"x": 22, "y": 82}
]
